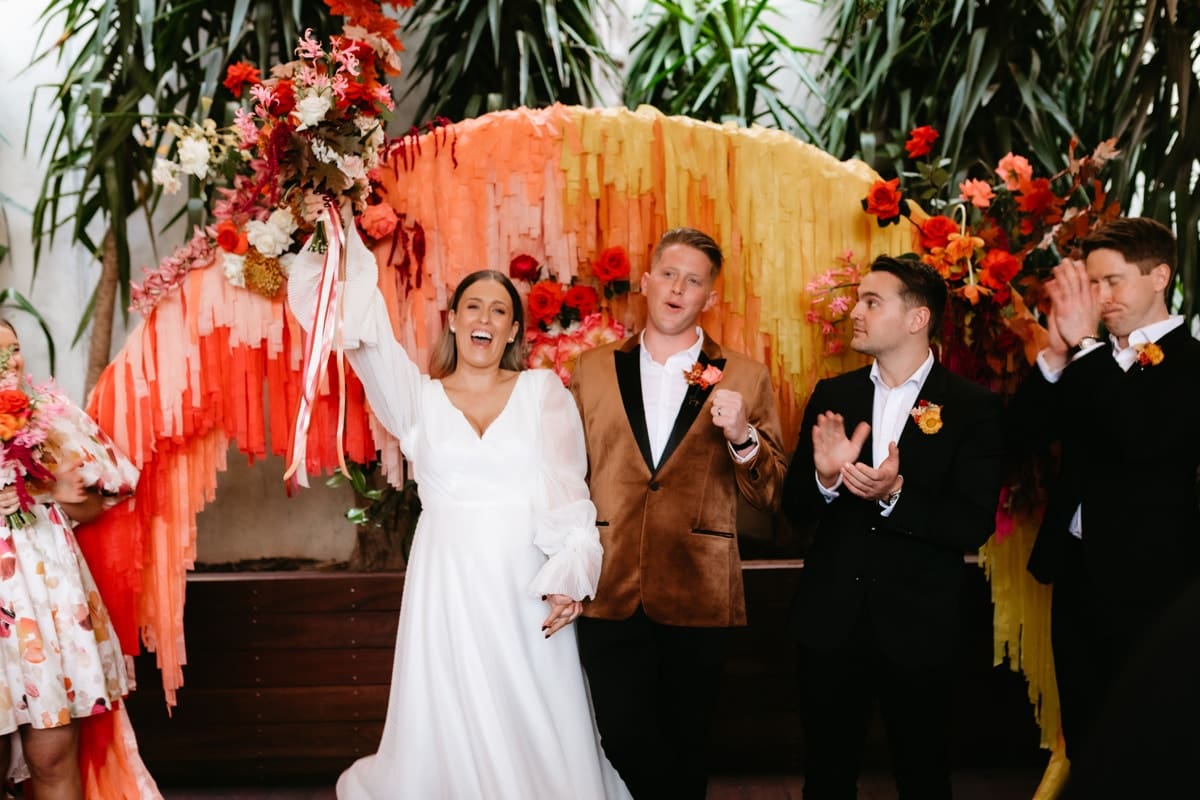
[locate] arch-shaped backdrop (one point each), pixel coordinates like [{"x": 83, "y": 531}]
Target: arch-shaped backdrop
[{"x": 213, "y": 362}]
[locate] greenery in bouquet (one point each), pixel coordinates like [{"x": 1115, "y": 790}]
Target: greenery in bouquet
[
  {"x": 994, "y": 241},
  {"x": 309, "y": 136},
  {"x": 566, "y": 319}
]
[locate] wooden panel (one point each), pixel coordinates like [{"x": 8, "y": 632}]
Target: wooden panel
[{"x": 288, "y": 679}]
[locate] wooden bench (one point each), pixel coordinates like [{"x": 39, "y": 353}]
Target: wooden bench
[{"x": 287, "y": 682}]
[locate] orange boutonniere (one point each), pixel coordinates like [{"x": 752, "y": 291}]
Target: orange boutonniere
[
  {"x": 1149, "y": 355},
  {"x": 928, "y": 417},
  {"x": 702, "y": 376}
]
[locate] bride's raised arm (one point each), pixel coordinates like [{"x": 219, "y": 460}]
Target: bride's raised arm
[{"x": 392, "y": 381}]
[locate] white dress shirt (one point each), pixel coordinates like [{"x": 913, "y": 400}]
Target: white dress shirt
[
  {"x": 890, "y": 410},
  {"x": 664, "y": 388},
  {"x": 1125, "y": 358}
]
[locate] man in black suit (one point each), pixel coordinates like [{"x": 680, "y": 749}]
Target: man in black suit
[
  {"x": 1121, "y": 533},
  {"x": 896, "y": 504}
]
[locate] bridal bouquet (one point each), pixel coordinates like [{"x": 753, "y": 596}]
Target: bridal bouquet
[
  {"x": 27, "y": 419},
  {"x": 309, "y": 136}
]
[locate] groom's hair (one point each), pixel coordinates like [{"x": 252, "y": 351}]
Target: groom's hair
[
  {"x": 692, "y": 238},
  {"x": 923, "y": 286}
]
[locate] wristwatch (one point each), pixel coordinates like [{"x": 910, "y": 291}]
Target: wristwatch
[
  {"x": 1076, "y": 349},
  {"x": 891, "y": 499},
  {"x": 751, "y": 439}
]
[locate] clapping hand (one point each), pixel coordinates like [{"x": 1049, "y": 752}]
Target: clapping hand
[
  {"x": 874, "y": 483},
  {"x": 563, "y": 611},
  {"x": 1075, "y": 306},
  {"x": 832, "y": 450}
]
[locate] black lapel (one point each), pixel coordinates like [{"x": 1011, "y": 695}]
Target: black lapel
[
  {"x": 629, "y": 380},
  {"x": 693, "y": 401}
]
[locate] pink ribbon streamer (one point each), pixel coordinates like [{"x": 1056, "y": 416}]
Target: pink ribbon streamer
[{"x": 324, "y": 338}]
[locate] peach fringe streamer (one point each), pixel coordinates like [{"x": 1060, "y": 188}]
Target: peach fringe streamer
[{"x": 559, "y": 184}]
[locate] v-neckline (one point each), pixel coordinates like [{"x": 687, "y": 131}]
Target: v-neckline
[{"x": 479, "y": 435}]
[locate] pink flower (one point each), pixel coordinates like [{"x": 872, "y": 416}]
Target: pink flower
[
  {"x": 378, "y": 221},
  {"x": 703, "y": 377},
  {"x": 839, "y": 304},
  {"x": 309, "y": 47},
  {"x": 978, "y": 192},
  {"x": 1015, "y": 171}
]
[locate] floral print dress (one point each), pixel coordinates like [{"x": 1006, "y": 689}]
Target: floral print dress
[{"x": 59, "y": 655}]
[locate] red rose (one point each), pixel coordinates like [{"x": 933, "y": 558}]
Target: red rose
[
  {"x": 998, "y": 268},
  {"x": 582, "y": 298},
  {"x": 238, "y": 75},
  {"x": 935, "y": 232},
  {"x": 283, "y": 99},
  {"x": 612, "y": 265},
  {"x": 13, "y": 401},
  {"x": 545, "y": 301},
  {"x": 232, "y": 240},
  {"x": 883, "y": 201},
  {"x": 524, "y": 268},
  {"x": 920, "y": 141}
]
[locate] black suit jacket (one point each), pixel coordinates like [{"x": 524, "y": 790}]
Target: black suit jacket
[
  {"x": 1130, "y": 446},
  {"x": 908, "y": 566}
]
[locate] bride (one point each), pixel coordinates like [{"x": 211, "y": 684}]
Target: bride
[{"x": 488, "y": 698}]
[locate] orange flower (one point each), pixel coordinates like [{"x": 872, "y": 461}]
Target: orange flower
[
  {"x": 961, "y": 247},
  {"x": 13, "y": 401},
  {"x": 545, "y": 301},
  {"x": 999, "y": 267},
  {"x": 920, "y": 141},
  {"x": 238, "y": 75},
  {"x": 703, "y": 376},
  {"x": 581, "y": 298},
  {"x": 978, "y": 193},
  {"x": 10, "y": 424},
  {"x": 883, "y": 201},
  {"x": 928, "y": 417},
  {"x": 378, "y": 221},
  {"x": 935, "y": 232},
  {"x": 1149, "y": 355},
  {"x": 612, "y": 265},
  {"x": 1015, "y": 171},
  {"x": 231, "y": 239}
]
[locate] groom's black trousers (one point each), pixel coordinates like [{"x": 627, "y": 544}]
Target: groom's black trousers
[{"x": 653, "y": 688}]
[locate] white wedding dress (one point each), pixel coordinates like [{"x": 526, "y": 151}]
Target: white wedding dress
[{"x": 482, "y": 705}]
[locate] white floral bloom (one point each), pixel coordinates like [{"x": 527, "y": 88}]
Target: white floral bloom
[
  {"x": 193, "y": 157},
  {"x": 235, "y": 267},
  {"x": 166, "y": 175},
  {"x": 282, "y": 218},
  {"x": 352, "y": 167},
  {"x": 268, "y": 239},
  {"x": 310, "y": 110}
]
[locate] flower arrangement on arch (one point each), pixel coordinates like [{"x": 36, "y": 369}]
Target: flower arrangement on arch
[
  {"x": 831, "y": 295},
  {"x": 994, "y": 242},
  {"x": 309, "y": 135},
  {"x": 566, "y": 319}
]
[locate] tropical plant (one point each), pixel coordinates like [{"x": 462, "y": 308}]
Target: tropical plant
[
  {"x": 386, "y": 519},
  {"x": 128, "y": 61},
  {"x": 715, "y": 60},
  {"x": 1002, "y": 77},
  {"x": 486, "y": 55}
]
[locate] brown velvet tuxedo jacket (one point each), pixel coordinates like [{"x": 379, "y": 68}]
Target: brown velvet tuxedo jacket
[{"x": 670, "y": 533}]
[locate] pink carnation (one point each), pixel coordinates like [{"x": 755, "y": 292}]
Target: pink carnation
[
  {"x": 1015, "y": 171},
  {"x": 977, "y": 192}
]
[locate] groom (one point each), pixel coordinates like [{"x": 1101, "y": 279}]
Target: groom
[{"x": 676, "y": 429}]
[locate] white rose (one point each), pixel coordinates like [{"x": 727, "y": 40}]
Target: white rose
[
  {"x": 193, "y": 157},
  {"x": 266, "y": 238},
  {"x": 310, "y": 110},
  {"x": 282, "y": 218},
  {"x": 166, "y": 175},
  {"x": 285, "y": 262},
  {"x": 235, "y": 267}
]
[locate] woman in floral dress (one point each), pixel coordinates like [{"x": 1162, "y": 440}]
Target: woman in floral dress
[{"x": 59, "y": 655}]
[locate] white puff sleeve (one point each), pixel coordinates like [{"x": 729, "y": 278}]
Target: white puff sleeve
[
  {"x": 565, "y": 519},
  {"x": 393, "y": 383}
]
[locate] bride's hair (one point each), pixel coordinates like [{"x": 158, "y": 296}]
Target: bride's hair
[{"x": 444, "y": 358}]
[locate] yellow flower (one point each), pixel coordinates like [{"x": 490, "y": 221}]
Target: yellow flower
[
  {"x": 928, "y": 417},
  {"x": 1149, "y": 354}
]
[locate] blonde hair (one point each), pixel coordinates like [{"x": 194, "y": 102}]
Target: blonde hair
[{"x": 444, "y": 358}]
